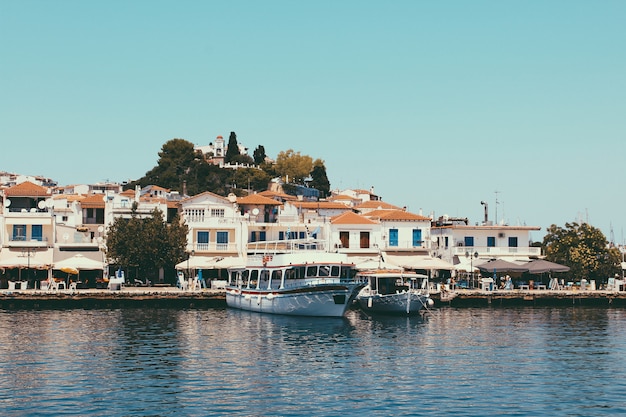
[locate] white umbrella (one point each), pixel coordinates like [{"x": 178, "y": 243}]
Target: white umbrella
[{"x": 79, "y": 262}]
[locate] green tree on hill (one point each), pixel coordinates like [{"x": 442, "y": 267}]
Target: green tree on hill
[
  {"x": 180, "y": 167},
  {"x": 293, "y": 167},
  {"x": 232, "y": 150},
  {"x": 259, "y": 155},
  {"x": 320, "y": 179}
]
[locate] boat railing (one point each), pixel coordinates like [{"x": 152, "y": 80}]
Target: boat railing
[{"x": 270, "y": 247}]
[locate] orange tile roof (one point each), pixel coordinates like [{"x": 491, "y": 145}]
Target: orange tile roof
[
  {"x": 399, "y": 215},
  {"x": 93, "y": 201},
  {"x": 342, "y": 197},
  {"x": 272, "y": 194},
  {"x": 351, "y": 217},
  {"x": 27, "y": 189},
  {"x": 320, "y": 205},
  {"x": 256, "y": 199},
  {"x": 128, "y": 192},
  {"x": 372, "y": 204}
]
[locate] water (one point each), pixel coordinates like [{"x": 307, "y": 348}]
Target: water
[{"x": 168, "y": 362}]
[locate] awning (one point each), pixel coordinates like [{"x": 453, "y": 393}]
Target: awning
[
  {"x": 466, "y": 265},
  {"x": 363, "y": 263},
  {"x": 211, "y": 262},
  {"x": 540, "y": 266},
  {"x": 230, "y": 262},
  {"x": 500, "y": 265},
  {"x": 79, "y": 262},
  {"x": 40, "y": 258},
  {"x": 412, "y": 261}
]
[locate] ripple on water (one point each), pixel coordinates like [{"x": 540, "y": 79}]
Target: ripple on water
[{"x": 465, "y": 362}]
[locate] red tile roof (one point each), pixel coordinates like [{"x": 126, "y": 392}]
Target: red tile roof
[
  {"x": 320, "y": 205},
  {"x": 372, "y": 204},
  {"x": 27, "y": 189},
  {"x": 351, "y": 218},
  {"x": 398, "y": 215},
  {"x": 259, "y": 200},
  {"x": 93, "y": 201}
]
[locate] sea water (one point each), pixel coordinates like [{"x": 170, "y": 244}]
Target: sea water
[{"x": 203, "y": 362}]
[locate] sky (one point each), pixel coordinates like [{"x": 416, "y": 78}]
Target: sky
[{"x": 437, "y": 105}]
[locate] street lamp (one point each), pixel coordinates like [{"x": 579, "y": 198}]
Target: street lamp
[
  {"x": 471, "y": 258},
  {"x": 28, "y": 252}
]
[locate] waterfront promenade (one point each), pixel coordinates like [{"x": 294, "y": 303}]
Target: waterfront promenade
[{"x": 169, "y": 296}]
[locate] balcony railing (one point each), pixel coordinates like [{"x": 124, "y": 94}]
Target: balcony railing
[
  {"x": 215, "y": 247},
  {"x": 497, "y": 251}
]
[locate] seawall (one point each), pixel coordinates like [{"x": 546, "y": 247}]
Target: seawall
[{"x": 534, "y": 298}]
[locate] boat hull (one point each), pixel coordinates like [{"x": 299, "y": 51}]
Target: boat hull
[
  {"x": 330, "y": 300},
  {"x": 398, "y": 304}
]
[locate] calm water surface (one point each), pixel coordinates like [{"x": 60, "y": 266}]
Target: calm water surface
[{"x": 166, "y": 362}]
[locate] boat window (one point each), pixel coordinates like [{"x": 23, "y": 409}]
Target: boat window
[
  {"x": 265, "y": 274},
  {"x": 290, "y": 273},
  {"x": 254, "y": 277},
  {"x": 334, "y": 271},
  {"x": 300, "y": 272},
  {"x": 311, "y": 271},
  {"x": 277, "y": 274},
  {"x": 324, "y": 271},
  {"x": 347, "y": 272}
]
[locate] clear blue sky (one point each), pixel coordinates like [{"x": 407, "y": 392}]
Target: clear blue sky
[{"x": 437, "y": 104}]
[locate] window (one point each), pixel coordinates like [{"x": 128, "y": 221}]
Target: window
[
  {"x": 512, "y": 242},
  {"x": 194, "y": 215},
  {"x": 253, "y": 236},
  {"x": 19, "y": 232},
  {"x": 262, "y": 236},
  {"x": 203, "y": 240},
  {"x": 365, "y": 240},
  {"x": 417, "y": 237},
  {"x": 37, "y": 232},
  {"x": 469, "y": 241},
  {"x": 491, "y": 241},
  {"x": 222, "y": 240},
  {"x": 344, "y": 237},
  {"x": 393, "y": 237},
  {"x": 217, "y": 212}
]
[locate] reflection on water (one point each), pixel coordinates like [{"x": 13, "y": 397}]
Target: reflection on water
[{"x": 160, "y": 362}]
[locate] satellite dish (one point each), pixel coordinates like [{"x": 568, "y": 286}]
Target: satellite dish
[
  {"x": 7, "y": 202},
  {"x": 255, "y": 211},
  {"x": 41, "y": 204},
  {"x": 49, "y": 203},
  {"x": 100, "y": 229},
  {"x": 232, "y": 198}
]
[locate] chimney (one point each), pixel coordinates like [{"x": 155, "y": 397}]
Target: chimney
[{"x": 486, "y": 212}]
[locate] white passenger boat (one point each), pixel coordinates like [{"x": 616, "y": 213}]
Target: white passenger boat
[
  {"x": 294, "y": 277},
  {"x": 394, "y": 292}
]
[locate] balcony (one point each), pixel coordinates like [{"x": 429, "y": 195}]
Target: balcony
[
  {"x": 22, "y": 242},
  {"x": 497, "y": 252},
  {"x": 231, "y": 247}
]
